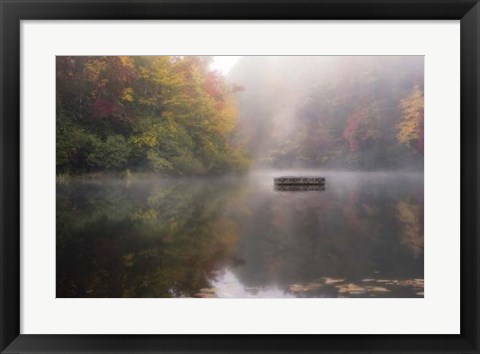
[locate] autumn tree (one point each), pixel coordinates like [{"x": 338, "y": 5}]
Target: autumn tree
[
  {"x": 335, "y": 112},
  {"x": 410, "y": 129},
  {"x": 171, "y": 115}
]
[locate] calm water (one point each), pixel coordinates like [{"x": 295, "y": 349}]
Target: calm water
[{"x": 238, "y": 237}]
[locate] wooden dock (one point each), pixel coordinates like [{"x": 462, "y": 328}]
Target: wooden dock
[{"x": 298, "y": 181}]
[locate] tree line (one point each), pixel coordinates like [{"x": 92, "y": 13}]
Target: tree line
[
  {"x": 175, "y": 115},
  {"x": 171, "y": 115},
  {"x": 347, "y": 112}
]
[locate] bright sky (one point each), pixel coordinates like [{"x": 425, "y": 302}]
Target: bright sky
[{"x": 224, "y": 63}]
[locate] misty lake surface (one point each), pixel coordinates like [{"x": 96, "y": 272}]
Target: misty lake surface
[{"x": 151, "y": 236}]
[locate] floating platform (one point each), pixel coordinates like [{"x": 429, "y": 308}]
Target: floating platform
[{"x": 299, "y": 181}]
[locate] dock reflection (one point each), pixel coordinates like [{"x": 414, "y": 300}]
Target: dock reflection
[{"x": 299, "y": 188}]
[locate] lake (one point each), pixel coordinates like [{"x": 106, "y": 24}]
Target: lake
[{"x": 150, "y": 236}]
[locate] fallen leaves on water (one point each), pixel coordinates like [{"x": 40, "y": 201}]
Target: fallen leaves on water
[
  {"x": 296, "y": 287},
  {"x": 378, "y": 289},
  {"x": 415, "y": 283},
  {"x": 302, "y": 288},
  {"x": 368, "y": 286},
  {"x": 329, "y": 281},
  {"x": 350, "y": 288},
  {"x": 206, "y": 293},
  {"x": 354, "y": 289},
  {"x": 208, "y": 290}
]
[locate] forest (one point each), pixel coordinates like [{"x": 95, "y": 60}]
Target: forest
[
  {"x": 170, "y": 115},
  {"x": 336, "y": 112},
  {"x": 175, "y": 115}
]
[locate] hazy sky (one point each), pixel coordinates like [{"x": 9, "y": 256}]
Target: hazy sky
[{"x": 224, "y": 63}]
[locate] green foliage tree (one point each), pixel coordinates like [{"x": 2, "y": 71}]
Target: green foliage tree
[{"x": 171, "y": 115}]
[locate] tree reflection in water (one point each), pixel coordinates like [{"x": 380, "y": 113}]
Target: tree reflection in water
[{"x": 238, "y": 237}]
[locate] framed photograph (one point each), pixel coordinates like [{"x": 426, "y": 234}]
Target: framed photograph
[{"x": 239, "y": 176}]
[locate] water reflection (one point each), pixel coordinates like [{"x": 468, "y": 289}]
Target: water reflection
[
  {"x": 299, "y": 188},
  {"x": 239, "y": 237}
]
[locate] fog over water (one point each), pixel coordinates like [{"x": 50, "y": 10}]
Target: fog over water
[
  {"x": 191, "y": 209},
  {"x": 238, "y": 237}
]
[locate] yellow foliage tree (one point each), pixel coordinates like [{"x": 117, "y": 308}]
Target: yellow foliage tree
[{"x": 410, "y": 129}]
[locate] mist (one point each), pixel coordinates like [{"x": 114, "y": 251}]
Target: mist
[
  {"x": 335, "y": 112},
  {"x": 169, "y": 177}
]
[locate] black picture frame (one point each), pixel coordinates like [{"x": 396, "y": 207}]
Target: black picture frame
[{"x": 13, "y": 11}]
